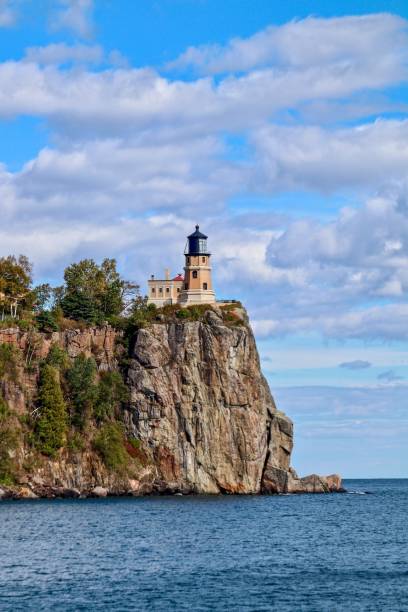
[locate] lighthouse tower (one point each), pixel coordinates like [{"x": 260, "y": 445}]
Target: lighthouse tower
[{"x": 197, "y": 288}]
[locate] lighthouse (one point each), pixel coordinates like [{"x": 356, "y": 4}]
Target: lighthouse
[
  {"x": 196, "y": 285},
  {"x": 197, "y": 288}
]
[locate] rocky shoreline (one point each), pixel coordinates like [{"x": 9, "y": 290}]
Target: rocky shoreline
[
  {"x": 199, "y": 419},
  {"x": 309, "y": 485}
]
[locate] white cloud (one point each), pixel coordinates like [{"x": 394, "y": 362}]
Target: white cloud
[
  {"x": 61, "y": 53},
  {"x": 130, "y": 146},
  {"x": 113, "y": 99},
  {"x": 74, "y": 15},
  {"x": 309, "y": 157},
  {"x": 388, "y": 322},
  {"x": 127, "y": 177},
  {"x": 306, "y": 43},
  {"x": 8, "y": 15}
]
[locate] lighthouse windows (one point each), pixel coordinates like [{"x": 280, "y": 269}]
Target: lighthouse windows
[
  {"x": 203, "y": 259},
  {"x": 205, "y": 286},
  {"x": 195, "y": 274},
  {"x": 202, "y": 245}
]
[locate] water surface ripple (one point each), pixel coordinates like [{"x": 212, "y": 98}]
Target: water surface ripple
[{"x": 311, "y": 552}]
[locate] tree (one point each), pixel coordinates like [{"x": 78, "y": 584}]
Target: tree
[
  {"x": 15, "y": 283},
  {"x": 51, "y": 426},
  {"x": 46, "y": 322},
  {"x": 82, "y": 389},
  {"x": 94, "y": 293},
  {"x": 112, "y": 391},
  {"x": 8, "y": 443},
  {"x": 42, "y": 296},
  {"x": 80, "y": 307}
]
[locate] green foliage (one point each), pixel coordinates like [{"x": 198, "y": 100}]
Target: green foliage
[
  {"x": 82, "y": 390},
  {"x": 51, "y": 426},
  {"x": 198, "y": 311},
  {"x": 112, "y": 391},
  {"x": 4, "y": 410},
  {"x": 135, "y": 442},
  {"x": 109, "y": 443},
  {"x": 25, "y": 324},
  {"x": 182, "y": 313},
  {"x": 193, "y": 313},
  {"x": 15, "y": 283},
  {"x": 46, "y": 321},
  {"x": 231, "y": 305},
  {"x": 141, "y": 313},
  {"x": 229, "y": 316},
  {"x": 8, "y": 443},
  {"x": 8, "y": 362},
  {"x": 80, "y": 307},
  {"x": 42, "y": 296},
  {"x": 94, "y": 293},
  {"x": 75, "y": 441},
  {"x": 58, "y": 358}
]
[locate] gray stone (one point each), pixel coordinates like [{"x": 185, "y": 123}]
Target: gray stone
[{"x": 99, "y": 492}]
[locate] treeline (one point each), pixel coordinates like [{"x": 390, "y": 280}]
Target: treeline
[{"x": 91, "y": 294}]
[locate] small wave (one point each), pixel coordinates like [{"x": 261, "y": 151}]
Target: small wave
[{"x": 359, "y": 493}]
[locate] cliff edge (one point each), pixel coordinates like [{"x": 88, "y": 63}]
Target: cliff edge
[{"x": 198, "y": 416}]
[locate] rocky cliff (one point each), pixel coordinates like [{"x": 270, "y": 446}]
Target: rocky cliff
[{"x": 199, "y": 417}]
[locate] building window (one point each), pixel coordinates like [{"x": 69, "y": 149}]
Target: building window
[
  {"x": 160, "y": 289},
  {"x": 186, "y": 286},
  {"x": 153, "y": 290},
  {"x": 205, "y": 286},
  {"x": 195, "y": 274},
  {"x": 167, "y": 289},
  {"x": 203, "y": 259},
  {"x": 178, "y": 289},
  {"x": 188, "y": 260}
]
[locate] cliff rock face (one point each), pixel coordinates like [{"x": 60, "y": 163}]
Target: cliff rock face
[
  {"x": 200, "y": 402},
  {"x": 199, "y": 405}
]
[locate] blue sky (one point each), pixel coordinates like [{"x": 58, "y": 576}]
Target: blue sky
[{"x": 282, "y": 129}]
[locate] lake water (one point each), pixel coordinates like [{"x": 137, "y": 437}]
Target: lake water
[{"x": 311, "y": 552}]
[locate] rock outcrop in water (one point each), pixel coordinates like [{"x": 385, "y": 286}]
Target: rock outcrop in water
[{"x": 199, "y": 407}]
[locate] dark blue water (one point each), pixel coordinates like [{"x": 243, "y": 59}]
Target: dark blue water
[{"x": 312, "y": 552}]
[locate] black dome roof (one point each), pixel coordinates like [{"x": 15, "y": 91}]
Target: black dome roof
[{"x": 197, "y": 233}]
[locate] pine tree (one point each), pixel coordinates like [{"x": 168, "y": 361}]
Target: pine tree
[
  {"x": 52, "y": 423},
  {"x": 82, "y": 389},
  {"x": 79, "y": 307}
]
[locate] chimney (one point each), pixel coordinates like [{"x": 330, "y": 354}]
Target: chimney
[{"x": 167, "y": 274}]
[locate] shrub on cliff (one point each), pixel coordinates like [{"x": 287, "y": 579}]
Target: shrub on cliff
[
  {"x": 141, "y": 313},
  {"x": 112, "y": 391},
  {"x": 8, "y": 362},
  {"x": 58, "y": 358},
  {"x": 51, "y": 426},
  {"x": 46, "y": 322},
  {"x": 193, "y": 313},
  {"x": 110, "y": 444},
  {"x": 82, "y": 390},
  {"x": 8, "y": 443}
]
